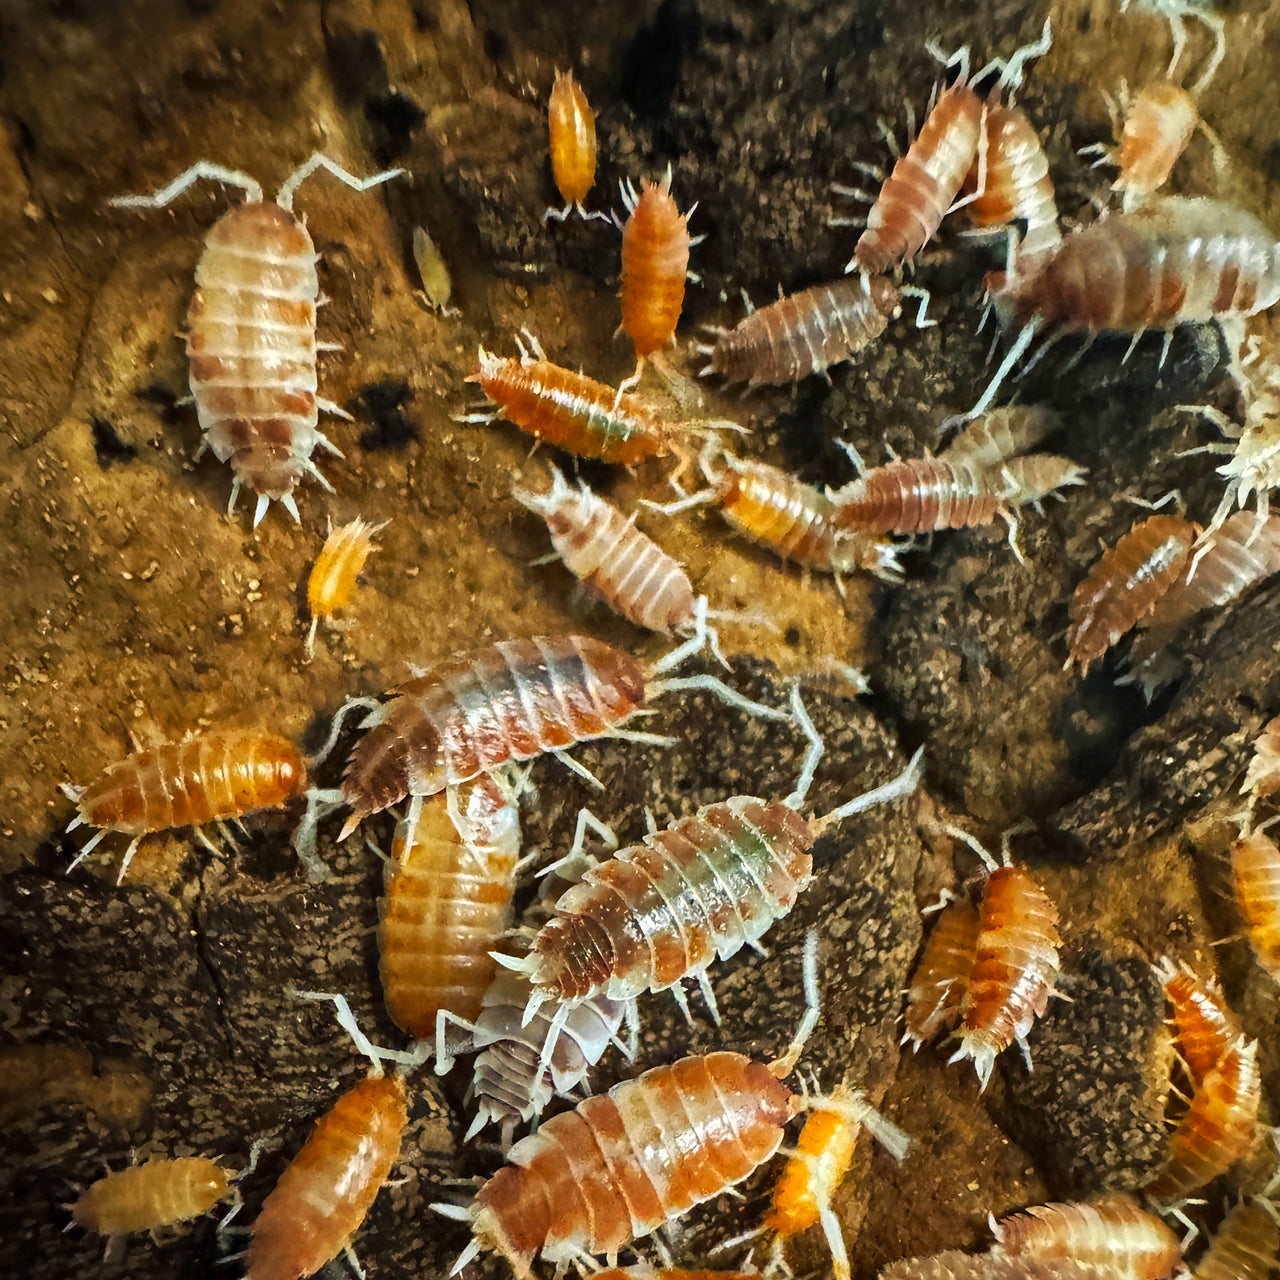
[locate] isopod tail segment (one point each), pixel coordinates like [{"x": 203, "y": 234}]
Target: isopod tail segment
[{"x": 205, "y": 169}]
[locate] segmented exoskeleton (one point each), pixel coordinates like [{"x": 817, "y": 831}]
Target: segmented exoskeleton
[
  {"x": 1255, "y": 873},
  {"x": 1245, "y": 1246},
  {"x": 251, "y": 333},
  {"x": 572, "y": 127},
  {"x": 1001, "y": 434},
  {"x": 941, "y": 977},
  {"x": 1207, "y": 1029},
  {"x": 152, "y": 1195},
  {"x": 1126, "y": 585}
]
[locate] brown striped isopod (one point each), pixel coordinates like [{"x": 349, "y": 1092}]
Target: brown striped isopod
[
  {"x": 1255, "y": 875},
  {"x": 1218, "y": 1127},
  {"x": 152, "y": 1195},
  {"x": 1115, "y": 1235},
  {"x": 332, "y": 581},
  {"x": 1245, "y": 1246},
  {"x": 938, "y": 984},
  {"x": 1001, "y": 434},
  {"x": 446, "y": 901},
  {"x": 1183, "y": 260},
  {"x": 572, "y": 127},
  {"x": 615, "y": 561},
  {"x": 1126, "y": 585},
  {"x": 807, "y": 332},
  {"x": 251, "y": 332},
  {"x": 207, "y": 777}
]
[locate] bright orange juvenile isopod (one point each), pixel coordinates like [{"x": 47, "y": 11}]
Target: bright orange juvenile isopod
[
  {"x": 572, "y": 125},
  {"x": 333, "y": 576},
  {"x": 151, "y": 1195},
  {"x": 1255, "y": 872}
]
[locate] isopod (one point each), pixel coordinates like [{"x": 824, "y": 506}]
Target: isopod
[
  {"x": 333, "y": 576},
  {"x": 792, "y": 519},
  {"x": 1245, "y": 1246},
  {"x": 1158, "y": 125},
  {"x": 1207, "y": 1028},
  {"x": 1218, "y": 1126},
  {"x": 940, "y": 979},
  {"x": 1001, "y": 434},
  {"x": 1018, "y": 187},
  {"x": 615, "y": 561},
  {"x": 329, "y": 1186},
  {"x": 1262, "y": 779},
  {"x": 655, "y": 262},
  {"x": 572, "y": 126},
  {"x": 954, "y": 1264},
  {"x": 1015, "y": 964},
  {"x": 1237, "y": 555},
  {"x": 446, "y": 901},
  {"x": 1255, "y": 874},
  {"x": 207, "y": 777},
  {"x": 154, "y": 1194},
  {"x": 1182, "y": 260},
  {"x": 661, "y": 911},
  {"x": 622, "y": 1164},
  {"x": 1113, "y": 1235},
  {"x": 251, "y": 332},
  {"x": 1126, "y": 585},
  {"x": 806, "y": 332},
  {"x": 514, "y": 701},
  {"x": 569, "y": 410}
]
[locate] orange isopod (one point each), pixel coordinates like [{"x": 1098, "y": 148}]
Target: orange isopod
[
  {"x": 1157, "y": 128},
  {"x": 151, "y": 1195},
  {"x": 1113, "y": 1236},
  {"x": 1263, "y": 776},
  {"x": 446, "y": 902},
  {"x": 941, "y": 978},
  {"x": 1245, "y": 1246},
  {"x": 1015, "y": 966},
  {"x": 1126, "y": 585},
  {"x": 1255, "y": 872},
  {"x": 1207, "y": 1028},
  {"x": 572, "y": 125},
  {"x": 209, "y": 776},
  {"x": 655, "y": 262},
  {"x": 1218, "y": 1126},
  {"x": 333, "y": 576},
  {"x": 328, "y": 1187}
]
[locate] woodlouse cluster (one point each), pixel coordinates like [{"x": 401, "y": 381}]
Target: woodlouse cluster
[{"x": 990, "y": 968}]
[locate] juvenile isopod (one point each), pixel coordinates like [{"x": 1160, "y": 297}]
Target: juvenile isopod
[
  {"x": 622, "y": 1164},
  {"x": 1255, "y": 874},
  {"x": 333, "y": 576},
  {"x": 1236, "y": 556},
  {"x": 1113, "y": 1236},
  {"x": 1001, "y": 434},
  {"x": 1015, "y": 964},
  {"x": 941, "y": 977},
  {"x": 1218, "y": 1126},
  {"x": 1245, "y": 1246},
  {"x": 1207, "y": 1028},
  {"x": 569, "y": 410},
  {"x": 446, "y": 901},
  {"x": 655, "y": 263},
  {"x": 792, "y": 519},
  {"x": 807, "y": 332},
  {"x": 1262, "y": 779},
  {"x": 572, "y": 126},
  {"x": 328, "y": 1188},
  {"x": 1126, "y": 585},
  {"x": 152, "y": 1195},
  {"x": 514, "y": 701},
  {"x": 251, "y": 332},
  {"x": 615, "y": 561},
  {"x": 207, "y": 777},
  {"x": 662, "y": 911},
  {"x": 1183, "y": 260}
]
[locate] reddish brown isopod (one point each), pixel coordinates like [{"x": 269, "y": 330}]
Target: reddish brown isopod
[
  {"x": 805, "y": 332},
  {"x": 1255, "y": 874},
  {"x": 251, "y": 332},
  {"x": 1207, "y": 1028},
  {"x": 207, "y": 777},
  {"x": 614, "y": 560},
  {"x": 446, "y": 902},
  {"x": 1126, "y": 585},
  {"x": 152, "y": 1195},
  {"x": 655, "y": 262},
  {"x": 942, "y": 975}
]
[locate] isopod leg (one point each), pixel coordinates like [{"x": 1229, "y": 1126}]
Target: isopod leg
[
  {"x": 709, "y": 996},
  {"x": 89, "y": 847},
  {"x": 128, "y": 857},
  {"x": 579, "y": 768},
  {"x": 577, "y": 852}
]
